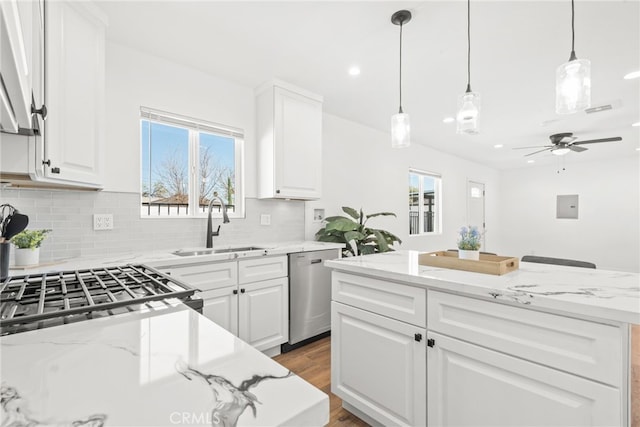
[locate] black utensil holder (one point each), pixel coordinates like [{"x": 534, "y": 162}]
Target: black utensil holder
[{"x": 5, "y": 248}]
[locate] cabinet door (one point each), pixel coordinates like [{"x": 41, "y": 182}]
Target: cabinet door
[
  {"x": 298, "y": 145},
  {"x": 221, "y": 306},
  {"x": 74, "y": 92},
  {"x": 264, "y": 268},
  {"x": 470, "y": 386},
  {"x": 378, "y": 365},
  {"x": 264, "y": 313},
  {"x": 17, "y": 21}
]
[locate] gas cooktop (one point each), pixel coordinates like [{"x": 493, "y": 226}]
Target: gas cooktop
[{"x": 41, "y": 300}]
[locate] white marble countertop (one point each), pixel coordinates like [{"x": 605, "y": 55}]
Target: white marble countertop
[
  {"x": 159, "y": 367},
  {"x": 166, "y": 257},
  {"x": 598, "y": 294}
]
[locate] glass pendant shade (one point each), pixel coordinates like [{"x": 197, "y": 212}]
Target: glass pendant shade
[
  {"x": 468, "y": 119},
  {"x": 400, "y": 130},
  {"x": 560, "y": 151},
  {"x": 573, "y": 86}
]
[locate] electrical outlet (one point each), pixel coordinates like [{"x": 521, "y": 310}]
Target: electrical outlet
[
  {"x": 265, "y": 219},
  {"x": 103, "y": 221}
]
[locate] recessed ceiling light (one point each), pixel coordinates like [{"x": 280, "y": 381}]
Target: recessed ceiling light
[
  {"x": 636, "y": 124},
  {"x": 354, "y": 71},
  {"x": 633, "y": 75},
  {"x": 498, "y": 146},
  {"x": 638, "y": 149},
  {"x": 448, "y": 120},
  {"x": 531, "y": 161}
]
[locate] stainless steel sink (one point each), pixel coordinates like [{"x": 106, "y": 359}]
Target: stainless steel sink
[{"x": 201, "y": 252}]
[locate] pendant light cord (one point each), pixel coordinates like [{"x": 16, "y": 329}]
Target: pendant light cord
[
  {"x": 573, "y": 34},
  {"x": 469, "y": 46},
  {"x": 400, "y": 111}
]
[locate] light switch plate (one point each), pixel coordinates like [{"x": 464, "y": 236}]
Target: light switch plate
[
  {"x": 265, "y": 219},
  {"x": 103, "y": 221}
]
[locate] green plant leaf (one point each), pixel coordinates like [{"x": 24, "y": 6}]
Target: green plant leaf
[
  {"x": 367, "y": 249},
  {"x": 381, "y": 214},
  {"x": 353, "y": 235},
  {"x": 342, "y": 224},
  {"x": 382, "y": 243},
  {"x": 334, "y": 218},
  {"x": 351, "y": 212}
]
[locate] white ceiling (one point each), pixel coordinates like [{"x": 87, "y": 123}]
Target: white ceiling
[{"x": 516, "y": 47}]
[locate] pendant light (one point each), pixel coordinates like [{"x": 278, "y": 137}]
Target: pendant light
[
  {"x": 468, "y": 118},
  {"x": 573, "y": 80},
  {"x": 400, "y": 125}
]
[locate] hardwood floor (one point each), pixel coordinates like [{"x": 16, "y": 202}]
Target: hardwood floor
[{"x": 313, "y": 363}]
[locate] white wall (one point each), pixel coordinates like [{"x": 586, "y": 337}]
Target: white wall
[
  {"x": 607, "y": 231},
  {"x": 360, "y": 169},
  {"x": 135, "y": 78}
]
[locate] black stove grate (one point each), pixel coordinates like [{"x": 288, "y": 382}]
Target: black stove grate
[{"x": 33, "y": 298}]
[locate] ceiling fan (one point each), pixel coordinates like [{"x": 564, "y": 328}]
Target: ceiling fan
[{"x": 562, "y": 143}]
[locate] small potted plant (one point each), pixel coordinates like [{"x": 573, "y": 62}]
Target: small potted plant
[
  {"x": 27, "y": 244},
  {"x": 469, "y": 240}
]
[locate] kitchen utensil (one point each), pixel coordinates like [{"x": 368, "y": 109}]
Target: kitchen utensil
[
  {"x": 6, "y": 210},
  {"x": 5, "y": 248},
  {"x": 17, "y": 222}
]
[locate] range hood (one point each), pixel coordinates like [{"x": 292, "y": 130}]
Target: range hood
[{"x": 16, "y": 75}]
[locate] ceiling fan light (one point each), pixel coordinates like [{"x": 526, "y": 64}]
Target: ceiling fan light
[
  {"x": 468, "y": 118},
  {"x": 400, "y": 130},
  {"x": 573, "y": 86},
  {"x": 560, "y": 151}
]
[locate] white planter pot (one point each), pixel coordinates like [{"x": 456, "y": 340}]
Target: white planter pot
[
  {"x": 27, "y": 256},
  {"x": 464, "y": 254}
]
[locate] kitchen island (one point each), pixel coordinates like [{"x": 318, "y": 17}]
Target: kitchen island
[
  {"x": 161, "y": 366},
  {"x": 543, "y": 345}
]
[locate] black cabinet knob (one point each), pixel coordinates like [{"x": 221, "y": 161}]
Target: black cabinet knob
[
  {"x": 55, "y": 170},
  {"x": 431, "y": 342},
  {"x": 242, "y": 290},
  {"x": 417, "y": 337},
  {"x": 235, "y": 292}
]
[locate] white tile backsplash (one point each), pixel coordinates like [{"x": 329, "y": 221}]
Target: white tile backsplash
[{"x": 70, "y": 215}]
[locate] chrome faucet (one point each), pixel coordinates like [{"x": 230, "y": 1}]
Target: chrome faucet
[{"x": 225, "y": 219}]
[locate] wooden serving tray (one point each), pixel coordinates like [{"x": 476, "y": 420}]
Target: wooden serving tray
[{"x": 488, "y": 264}]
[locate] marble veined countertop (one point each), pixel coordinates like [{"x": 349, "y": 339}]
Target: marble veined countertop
[
  {"x": 167, "y": 257},
  {"x": 598, "y": 294},
  {"x": 165, "y": 366}
]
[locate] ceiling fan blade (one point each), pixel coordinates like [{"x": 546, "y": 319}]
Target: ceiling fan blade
[
  {"x": 535, "y": 146},
  {"x": 577, "y": 149},
  {"x": 594, "y": 141},
  {"x": 536, "y": 152},
  {"x": 568, "y": 139}
]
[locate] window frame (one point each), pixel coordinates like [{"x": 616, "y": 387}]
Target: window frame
[
  {"x": 194, "y": 127},
  {"x": 437, "y": 221}
]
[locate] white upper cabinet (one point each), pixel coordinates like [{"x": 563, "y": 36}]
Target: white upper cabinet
[
  {"x": 289, "y": 126},
  {"x": 75, "y": 93}
]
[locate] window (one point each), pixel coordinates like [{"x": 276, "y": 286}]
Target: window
[
  {"x": 425, "y": 204},
  {"x": 185, "y": 162}
]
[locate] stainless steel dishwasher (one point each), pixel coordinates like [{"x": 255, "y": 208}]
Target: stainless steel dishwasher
[{"x": 309, "y": 296}]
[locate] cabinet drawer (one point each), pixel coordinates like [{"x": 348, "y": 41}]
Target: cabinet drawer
[
  {"x": 265, "y": 268},
  {"x": 589, "y": 349},
  {"x": 206, "y": 276},
  {"x": 401, "y": 302}
]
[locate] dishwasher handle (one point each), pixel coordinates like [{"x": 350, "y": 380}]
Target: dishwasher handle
[{"x": 316, "y": 261}]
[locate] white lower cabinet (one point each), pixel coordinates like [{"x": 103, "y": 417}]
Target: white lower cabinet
[
  {"x": 402, "y": 355},
  {"x": 221, "y": 306},
  {"x": 264, "y": 313},
  {"x": 379, "y": 365},
  {"x": 470, "y": 386},
  {"x": 257, "y": 312}
]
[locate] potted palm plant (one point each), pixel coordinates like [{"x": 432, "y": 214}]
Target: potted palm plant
[
  {"x": 27, "y": 244},
  {"x": 354, "y": 233}
]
